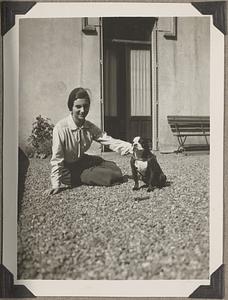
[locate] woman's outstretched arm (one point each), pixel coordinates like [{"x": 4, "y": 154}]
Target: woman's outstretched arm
[{"x": 116, "y": 145}]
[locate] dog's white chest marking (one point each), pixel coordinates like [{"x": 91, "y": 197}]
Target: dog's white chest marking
[{"x": 141, "y": 166}]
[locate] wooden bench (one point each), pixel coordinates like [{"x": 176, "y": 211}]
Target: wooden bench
[{"x": 190, "y": 126}]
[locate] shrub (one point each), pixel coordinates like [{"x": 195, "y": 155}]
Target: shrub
[{"x": 40, "y": 140}]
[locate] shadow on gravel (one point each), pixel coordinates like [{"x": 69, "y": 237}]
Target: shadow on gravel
[
  {"x": 23, "y": 164},
  {"x": 168, "y": 183}
]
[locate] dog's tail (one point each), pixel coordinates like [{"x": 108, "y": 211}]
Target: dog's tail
[{"x": 162, "y": 180}]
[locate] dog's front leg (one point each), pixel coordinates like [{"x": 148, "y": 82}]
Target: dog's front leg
[{"x": 134, "y": 174}]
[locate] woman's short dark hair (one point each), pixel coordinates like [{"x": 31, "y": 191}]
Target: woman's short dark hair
[{"x": 76, "y": 94}]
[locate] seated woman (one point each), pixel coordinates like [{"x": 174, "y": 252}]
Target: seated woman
[{"x": 72, "y": 137}]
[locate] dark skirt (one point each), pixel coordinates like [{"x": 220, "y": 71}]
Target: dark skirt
[{"x": 94, "y": 170}]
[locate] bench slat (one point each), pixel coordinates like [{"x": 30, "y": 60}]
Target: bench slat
[
  {"x": 191, "y": 134},
  {"x": 188, "y": 118},
  {"x": 193, "y": 124},
  {"x": 190, "y": 129}
]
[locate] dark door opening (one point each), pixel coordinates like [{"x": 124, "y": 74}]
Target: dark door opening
[{"x": 127, "y": 77}]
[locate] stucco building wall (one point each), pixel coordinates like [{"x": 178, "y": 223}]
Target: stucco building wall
[
  {"x": 55, "y": 56},
  {"x": 183, "y": 74}
]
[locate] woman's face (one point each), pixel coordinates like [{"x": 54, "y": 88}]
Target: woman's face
[{"x": 80, "y": 109}]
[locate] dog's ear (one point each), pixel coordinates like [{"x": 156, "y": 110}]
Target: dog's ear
[
  {"x": 136, "y": 139},
  {"x": 145, "y": 143}
]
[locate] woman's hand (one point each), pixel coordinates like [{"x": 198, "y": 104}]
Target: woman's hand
[{"x": 52, "y": 191}]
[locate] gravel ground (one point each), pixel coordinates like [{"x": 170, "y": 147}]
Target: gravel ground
[{"x": 114, "y": 232}]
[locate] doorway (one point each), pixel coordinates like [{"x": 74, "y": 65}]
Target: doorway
[{"x": 128, "y": 77}]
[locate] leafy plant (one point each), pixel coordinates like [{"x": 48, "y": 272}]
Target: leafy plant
[{"x": 40, "y": 139}]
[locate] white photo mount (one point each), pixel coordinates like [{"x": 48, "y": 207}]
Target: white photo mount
[{"x": 213, "y": 288}]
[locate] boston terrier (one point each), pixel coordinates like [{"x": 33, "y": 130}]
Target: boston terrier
[{"x": 144, "y": 166}]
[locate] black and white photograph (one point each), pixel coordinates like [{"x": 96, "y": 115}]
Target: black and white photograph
[{"x": 116, "y": 119}]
